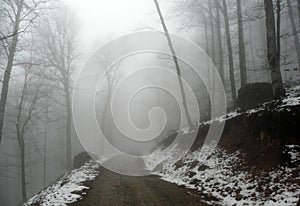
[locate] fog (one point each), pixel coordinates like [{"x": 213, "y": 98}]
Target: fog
[{"x": 73, "y": 79}]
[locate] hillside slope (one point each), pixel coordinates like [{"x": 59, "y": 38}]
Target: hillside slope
[{"x": 256, "y": 162}]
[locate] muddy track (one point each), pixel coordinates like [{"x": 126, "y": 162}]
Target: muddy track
[{"x": 111, "y": 189}]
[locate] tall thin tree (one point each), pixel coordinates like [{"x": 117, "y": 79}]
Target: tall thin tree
[
  {"x": 18, "y": 13},
  {"x": 184, "y": 102},
  {"x": 298, "y": 5},
  {"x": 220, "y": 46},
  {"x": 57, "y": 47},
  {"x": 230, "y": 53},
  {"x": 11, "y": 55},
  {"x": 294, "y": 30},
  {"x": 212, "y": 29},
  {"x": 242, "y": 56},
  {"x": 278, "y": 33},
  {"x": 276, "y": 78}
]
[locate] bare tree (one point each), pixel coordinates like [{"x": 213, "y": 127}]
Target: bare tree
[
  {"x": 278, "y": 32},
  {"x": 242, "y": 57},
  {"x": 220, "y": 47},
  {"x": 230, "y": 53},
  {"x": 19, "y": 14},
  {"x": 57, "y": 48},
  {"x": 298, "y": 5},
  {"x": 11, "y": 54},
  {"x": 278, "y": 89},
  {"x": 112, "y": 76},
  {"x": 212, "y": 29},
  {"x": 32, "y": 92},
  {"x": 175, "y": 62},
  {"x": 294, "y": 30}
]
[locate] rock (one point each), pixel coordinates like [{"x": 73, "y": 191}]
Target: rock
[
  {"x": 178, "y": 164},
  {"x": 252, "y": 95},
  {"x": 193, "y": 164},
  {"x": 250, "y": 187},
  {"x": 239, "y": 197},
  {"x": 291, "y": 155},
  {"x": 195, "y": 182},
  {"x": 191, "y": 174},
  {"x": 268, "y": 192},
  {"x": 203, "y": 167},
  {"x": 81, "y": 158},
  {"x": 228, "y": 189},
  {"x": 238, "y": 190}
]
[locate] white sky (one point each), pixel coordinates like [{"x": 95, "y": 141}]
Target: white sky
[{"x": 103, "y": 20}]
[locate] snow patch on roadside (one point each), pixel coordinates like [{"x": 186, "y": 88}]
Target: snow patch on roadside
[
  {"x": 292, "y": 99},
  {"x": 214, "y": 174},
  {"x": 68, "y": 188}
]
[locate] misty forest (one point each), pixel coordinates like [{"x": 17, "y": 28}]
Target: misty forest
[{"x": 149, "y": 102}]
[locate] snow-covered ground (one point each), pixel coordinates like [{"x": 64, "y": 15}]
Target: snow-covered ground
[
  {"x": 68, "y": 188},
  {"x": 210, "y": 170},
  {"x": 292, "y": 99},
  {"x": 217, "y": 176},
  {"x": 214, "y": 173}
]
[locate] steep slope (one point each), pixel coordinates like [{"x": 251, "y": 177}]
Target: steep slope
[{"x": 256, "y": 162}]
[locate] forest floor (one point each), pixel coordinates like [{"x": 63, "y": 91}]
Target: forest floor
[
  {"x": 256, "y": 162},
  {"x": 113, "y": 189}
]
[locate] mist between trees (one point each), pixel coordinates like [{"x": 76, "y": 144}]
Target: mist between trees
[{"x": 40, "y": 55}]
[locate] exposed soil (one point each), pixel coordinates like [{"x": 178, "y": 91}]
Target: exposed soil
[
  {"x": 112, "y": 189},
  {"x": 261, "y": 136}
]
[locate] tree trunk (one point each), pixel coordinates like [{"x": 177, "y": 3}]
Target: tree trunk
[
  {"x": 176, "y": 64},
  {"x": 298, "y": 5},
  {"x": 207, "y": 64},
  {"x": 45, "y": 160},
  {"x": 68, "y": 125},
  {"x": 220, "y": 47},
  {"x": 212, "y": 32},
  {"x": 276, "y": 79},
  {"x": 213, "y": 53},
  {"x": 294, "y": 30},
  {"x": 278, "y": 33},
  {"x": 251, "y": 47},
  {"x": 11, "y": 56},
  {"x": 23, "y": 172},
  {"x": 20, "y": 136},
  {"x": 230, "y": 54},
  {"x": 242, "y": 57},
  {"x": 45, "y": 150}
]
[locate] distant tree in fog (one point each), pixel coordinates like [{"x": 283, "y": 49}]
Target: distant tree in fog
[
  {"x": 294, "y": 30},
  {"x": 28, "y": 108},
  {"x": 242, "y": 55},
  {"x": 162, "y": 21},
  {"x": 16, "y": 17},
  {"x": 57, "y": 49}
]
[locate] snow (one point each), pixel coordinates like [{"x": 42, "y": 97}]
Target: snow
[
  {"x": 216, "y": 174},
  {"x": 210, "y": 170},
  {"x": 292, "y": 99},
  {"x": 67, "y": 189},
  {"x": 294, "y": 152},
  {"x": 213, "y": 172}
]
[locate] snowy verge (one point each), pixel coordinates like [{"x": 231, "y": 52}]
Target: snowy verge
[
  {"x": 292, "y": 99},
  {"x": 216, "y": 176},
  {"x": 69, "y": 188}
]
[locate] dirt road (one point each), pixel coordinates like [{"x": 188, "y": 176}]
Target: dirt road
[{"x": 111, "y": 189}]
